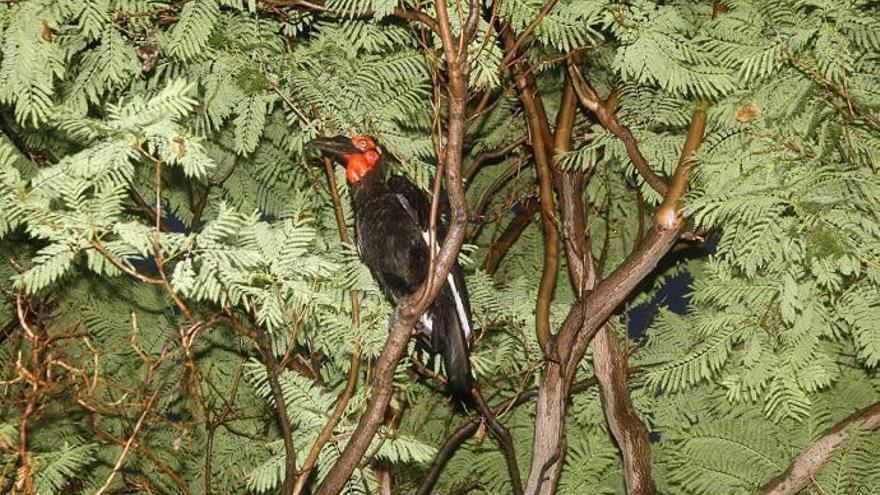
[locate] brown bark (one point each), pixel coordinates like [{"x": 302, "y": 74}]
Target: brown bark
[
  {"x": 479, "y": 211},
  {"x": 609, "y": 363},
  {"x": 582, "y": 323},
  {"x": 509, "y": 236},
  {"x": 487, "y": 156},
  {"x": 505, "y": 441},
  {"x": 630, "y": 433},
  {"x": 469, "y": 428},
  {"x": 574, "y": 224},
  {"x": 539, "y": 130},
  {"x": 272, "y": 372},
  {"x": 805, "y": 466},
  {"x": 605, "y": 111}
]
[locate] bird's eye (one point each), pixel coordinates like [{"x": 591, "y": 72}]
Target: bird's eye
[{"x": 363, "y": 142}]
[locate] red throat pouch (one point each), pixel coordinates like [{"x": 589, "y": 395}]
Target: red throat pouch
[{"x": 359, "y": 165}]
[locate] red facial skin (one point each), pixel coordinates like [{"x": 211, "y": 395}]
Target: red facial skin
[{"x": 359, "y": 164}]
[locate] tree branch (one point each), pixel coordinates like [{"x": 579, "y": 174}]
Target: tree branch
[
  {"x": 141, "y": 449},
  {"x": 501, "y": 434},
  {"x": 612, "y": 291},
  {"x": 509, "y": 236},
  {"x": 572, "y": 182},
  {"x": 512, "y": 51},
  {"x": 22, "y": 147},
  {"x": 539, "y": 130},
  {"x": 668, "y": 214},
  {"x": 609, "y": 363},
  {"x": 272, "y": 371},
  {"x": 146, "y": 210},
  {"x": 131, "y": 439},
  {"x": 606, "y": 113},
  {"x": 580, "y": 326},
  {"x": 630, "y": 433},
  {"x": 489, "y": 155},
  {"x": 805, "y": 466},
  {"x": 856, "y": 109},
  {"x": 354, "y": 363},
  {"x": 479, "y": 212},
  {"x": 469, "y": 428}
]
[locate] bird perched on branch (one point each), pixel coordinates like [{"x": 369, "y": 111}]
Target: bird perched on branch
[{"x": 392, "y": 219}]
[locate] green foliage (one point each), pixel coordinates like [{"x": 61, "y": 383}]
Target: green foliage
[
  {"x": 57, "y": 468},
  {"x": 113, "y": 111}
]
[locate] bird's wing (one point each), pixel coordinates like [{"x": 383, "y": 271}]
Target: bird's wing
[
  {"x": 415, "y": 202},
  {"x": 448, "y": 321}
]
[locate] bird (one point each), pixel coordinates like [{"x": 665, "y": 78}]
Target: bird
[{"x": 392, "y": 218}]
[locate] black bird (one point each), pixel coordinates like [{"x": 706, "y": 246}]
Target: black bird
[{"x": 392, "y": 221}]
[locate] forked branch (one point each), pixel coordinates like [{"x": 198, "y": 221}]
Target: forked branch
[{"x": 605, "y": 111}]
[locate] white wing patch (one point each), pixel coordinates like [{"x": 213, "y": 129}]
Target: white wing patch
[
  {"x": 459, "y": 305},
  {"x": 427, "y": 322}
]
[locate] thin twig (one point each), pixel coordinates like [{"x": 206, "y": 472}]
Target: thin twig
[
  {"x": 272, "y": 371},
  {"x": 511, "y": 52},
  {"x": 354, "y": 363},
  {"x": 137, "y": 428},
  {"x": 489, "y": 155}
]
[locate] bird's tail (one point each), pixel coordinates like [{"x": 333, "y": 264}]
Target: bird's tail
[{"x": 452, "y": 343}]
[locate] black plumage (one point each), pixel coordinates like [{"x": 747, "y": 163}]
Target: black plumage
[{"x": 392, "y": 222}]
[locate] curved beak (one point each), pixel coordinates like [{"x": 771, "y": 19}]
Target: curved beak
[{"x": 339, "y": 147}]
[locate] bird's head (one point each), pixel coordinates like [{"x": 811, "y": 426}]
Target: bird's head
[{"x": 358, "y": 154}]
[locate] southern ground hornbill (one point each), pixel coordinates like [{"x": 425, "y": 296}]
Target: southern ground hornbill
[{"x": 391, "y": 222}]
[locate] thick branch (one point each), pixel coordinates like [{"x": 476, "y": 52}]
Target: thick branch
[
  {"x": 805, "y": 466},
  {"x": 572, "y": 183},
  {"x": 609, "y": 363},
  {"x": 539, "y": 130},
  {"x": 382, "y": 387},
  {"x": 630, "y": 433},
  {"x": 612, "y": 291},
  {"x": 668, "y": 214},
  {"x": 580, "y": 326}
]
